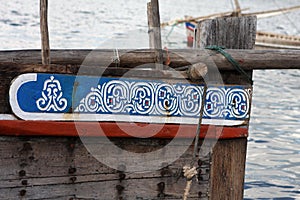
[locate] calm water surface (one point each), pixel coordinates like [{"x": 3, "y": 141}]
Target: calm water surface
[{"x": 273, "y": 159}]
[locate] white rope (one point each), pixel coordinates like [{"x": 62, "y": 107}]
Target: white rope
[{"x": 189, "y": 173}]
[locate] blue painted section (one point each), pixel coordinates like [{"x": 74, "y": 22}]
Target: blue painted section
[
  {"x": 190, "y": 26},
  {"x": 54, "y": 93},
  {"x": 32, "y": 92}
]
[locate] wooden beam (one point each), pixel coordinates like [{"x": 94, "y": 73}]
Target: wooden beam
[
  {"x": 227, "y": 171},
  {"x": 44, "y": 32},
  {"x": 155, "y": 32},
  {"x": 150, "y": 25},
  {"x": 248, "y": 59}
]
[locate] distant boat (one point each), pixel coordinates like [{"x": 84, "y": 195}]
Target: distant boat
[{"x": 263, "y": 39}]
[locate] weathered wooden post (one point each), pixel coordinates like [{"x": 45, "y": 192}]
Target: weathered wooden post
[
  {"x": 44, "y": 32},
  {"x": 227, "y": 161},
  {"x": 155, "y": 31}
]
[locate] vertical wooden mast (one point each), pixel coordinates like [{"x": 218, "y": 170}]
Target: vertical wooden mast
[
  {"x": 155, "y": 32},
  {"x": 44, "y": 32}
]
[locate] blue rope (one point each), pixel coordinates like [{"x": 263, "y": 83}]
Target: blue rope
[{"x": 234, "y": 63}]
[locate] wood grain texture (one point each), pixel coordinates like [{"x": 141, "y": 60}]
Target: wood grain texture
[
  {"x": 248, "y": 59},
  {"x": 44, "y": 32},
  {"x": 62, "y": 168},
  {"x": 228, "y": 169},
  {"x": 228, "y": 158},
  {"x": 154, "y": 31},
  {"x": 229, "y": 32}
]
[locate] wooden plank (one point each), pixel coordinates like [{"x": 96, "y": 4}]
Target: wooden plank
[
  {"x": 98, "y": 71},
  {"x": 228, "y": 169},
  {"x": 248, "y": 59},
  {"x": 44, "y": 32},
  {"x": 112, "y": 129},
  {"x": 58, "y": 97},
  {"x": 7, "y": 76},
  {"x": 31, "y": 172},
  {"x": 227, "y": 172},
  {"x": 132, "y": 189}
]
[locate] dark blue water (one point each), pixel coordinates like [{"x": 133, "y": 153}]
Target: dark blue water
[{"x": 273, "y": 159}]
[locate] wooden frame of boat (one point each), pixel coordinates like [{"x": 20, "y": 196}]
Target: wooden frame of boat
[{"x": 45, "y": 157}]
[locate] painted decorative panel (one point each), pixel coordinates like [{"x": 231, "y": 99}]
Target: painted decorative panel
[{"x": 83, "y": 98}]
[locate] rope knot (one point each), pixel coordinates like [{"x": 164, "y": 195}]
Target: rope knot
[{"x": 189, "y": 172}]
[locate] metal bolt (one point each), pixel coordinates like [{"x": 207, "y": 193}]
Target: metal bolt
[
  {"x": 72, "y": 170},
  {"x": 122, "y": 176},
  {"x": 22, "y": 173},
  {"x": 73, "y": 179},
  {"x": 199, "y": 194},
  {"x": 27, "y": 146},
  {"x": 31, "y": 158},
  {"x": 24, "y": 182},
  {"x": 120, "y": 189},
  {"x": 161, "y": 186},
  {"x": 22, "y": 192}
]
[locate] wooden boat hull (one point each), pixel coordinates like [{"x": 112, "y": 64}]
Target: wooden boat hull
[
  {"x": 40, "y": 145},
  {"x": 46, "y": 154},
  {"x": 44, "y": 102},
  {"x": 60, "y": 167}
]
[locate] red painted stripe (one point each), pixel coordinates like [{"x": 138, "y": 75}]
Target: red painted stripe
[
  {"x": 113, "y": 129},
  {"x": 190, "y": 28}
]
